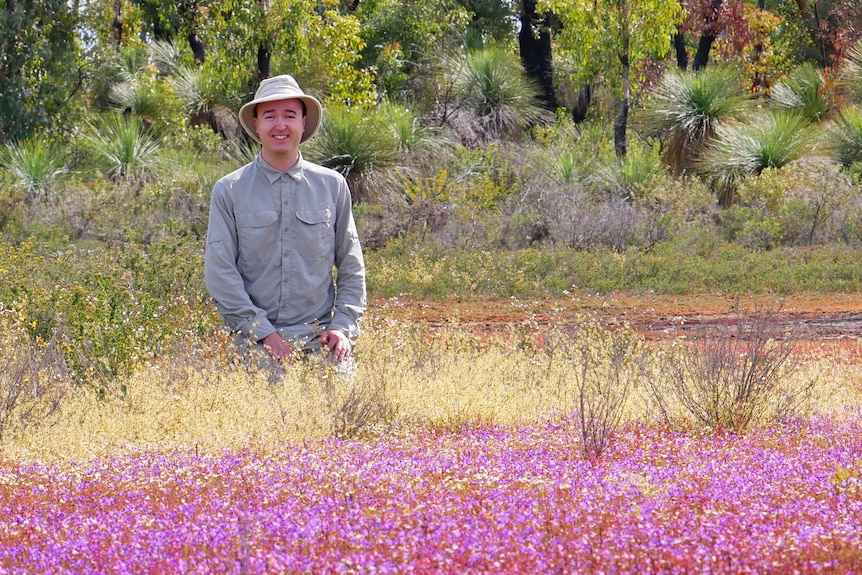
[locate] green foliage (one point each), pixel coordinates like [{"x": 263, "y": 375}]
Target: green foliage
[
  {"x": 844, "y": 135},
  {"x": 125, "y": 146},
  {"x": 752, "y": 228},
  {"x": 40, "y": 70},
  {"x": 107, "y": 309},
  {"x": 597, "y": 36},
  {"x": 633, "y": 176},
  {"x": 809, "y": 203},
  {"x": 686, "y": 262},
  {"x": 805, "y": 91},
  {"x": 686, "y": 108},
  {"x": 770, "y": 140},
  {"x": 360, "y": 144},
  {"x": 400, "y": 39},
  {"x": 36, "y": 163},
  {"x": 493, "y": 97},
  {"x": 334, "y": 61}
]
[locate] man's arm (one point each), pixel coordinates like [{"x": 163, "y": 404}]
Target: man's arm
[
  {"x": 224, "y": 282},
  {"x": 350, "y": 299}
]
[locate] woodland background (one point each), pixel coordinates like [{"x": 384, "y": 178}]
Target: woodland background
[{"x": 494, "y": 149}]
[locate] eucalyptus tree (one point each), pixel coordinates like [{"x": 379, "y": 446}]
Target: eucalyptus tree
[
  {"x": 40, "y": 65},
  {"x": 405, "y": 42},
  {"x": 608, "y": 39},
  {"x": 249, "y": 41}
]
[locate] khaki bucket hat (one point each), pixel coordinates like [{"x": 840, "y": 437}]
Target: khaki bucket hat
[{"x": 282, "y": 87}]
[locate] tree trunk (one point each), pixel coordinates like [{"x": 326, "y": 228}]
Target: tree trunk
[
  {"x": 679, "y": 47},
  {"x": 264, "y": 58},
  {"x": 534, "y": 41},
  {"x": 621, "y": 123},
  {"x": 117, "y": 25},
  {"x": 579, "y": 110},
  {"x": 701, "y": 57},
  {"x": 198, "y": 48},
  {"x": 195, "y": 43}
]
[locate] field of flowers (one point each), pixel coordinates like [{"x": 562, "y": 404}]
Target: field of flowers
[{"x": 483, "y": 499}]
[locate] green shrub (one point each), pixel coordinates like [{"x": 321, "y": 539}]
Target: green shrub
[
  {"x": 108, "y": 309},
  {"x": 36, "y": 164},
  {"x": 360, "y": 144}
]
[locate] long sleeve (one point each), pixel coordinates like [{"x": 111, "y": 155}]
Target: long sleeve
[
  {"x": 350, "y": 299},
  {"x": 224, "y": 281}
]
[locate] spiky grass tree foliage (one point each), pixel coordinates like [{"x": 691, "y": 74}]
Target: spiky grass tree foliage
[
  {"x": 687, "y": 107},
  {"x": 850, "y": 76},
  {"x": 35, "y": 164},
  {"x": 493, "y": 96},
  {"x": 360, "y": 144},
  {"x": 123, "y": 143},
  {"x": 204, "y": 103},
  {"x": 806, "y": 91},
  {"x": 844, "y": 136},
  {"x": 773, "y": 139}
]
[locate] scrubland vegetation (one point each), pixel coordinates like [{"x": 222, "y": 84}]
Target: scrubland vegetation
[{"x": 134, "y": 438}]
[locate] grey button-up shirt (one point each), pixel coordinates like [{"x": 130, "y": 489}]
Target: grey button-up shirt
[{"x": 272, "y": 242}]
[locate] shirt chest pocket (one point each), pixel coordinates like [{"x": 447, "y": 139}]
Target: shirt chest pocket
[
  {"x": 257, "y": 233},
  {"x": 316, "y": 232}
]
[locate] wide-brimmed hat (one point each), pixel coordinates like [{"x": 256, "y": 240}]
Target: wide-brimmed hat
[{"x": 282, "y": 87}]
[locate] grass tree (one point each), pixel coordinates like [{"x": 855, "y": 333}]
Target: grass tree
[
  {"x": 493, "y": 97},
  {"x": 685, "y": 108},
  {"x": 124, "y": 145},
  {"x": 806, "y": 90},
  {"x": 35, "y": 164},
  {"x": 204, "y": 102},
  {"x": 850, "y": 75},
  {"x": 360, "y": 144},
  {"x": 772, "y": 140},
  {"x": 844, "y": 135}
]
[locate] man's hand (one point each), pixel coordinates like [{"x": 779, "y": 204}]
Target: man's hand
[
  {"x": 338, "y": 344},
  {"x": 277, "y": 347}
]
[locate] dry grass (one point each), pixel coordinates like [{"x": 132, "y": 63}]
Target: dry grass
[{"x": 408, "y": 376}]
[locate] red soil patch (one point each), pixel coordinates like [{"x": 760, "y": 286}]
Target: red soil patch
[{"x": 816, "y": 316}]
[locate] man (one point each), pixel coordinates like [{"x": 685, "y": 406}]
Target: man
[{"x": 277, "y": 226}]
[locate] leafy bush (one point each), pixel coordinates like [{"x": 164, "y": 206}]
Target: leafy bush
[
  {"x": 805, "y": 203},
  {"x": 107, "y": 309}
]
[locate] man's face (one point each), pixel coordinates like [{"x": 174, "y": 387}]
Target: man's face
[{"x": 280, "y": 125}]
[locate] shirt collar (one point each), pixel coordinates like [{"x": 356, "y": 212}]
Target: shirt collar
[{"x": 272, "y": 174}]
